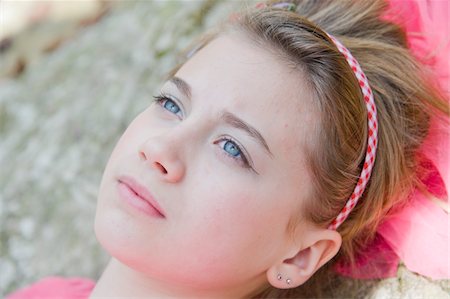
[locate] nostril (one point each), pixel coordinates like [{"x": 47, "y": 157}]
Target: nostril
[{"x": 160, "y": 167}]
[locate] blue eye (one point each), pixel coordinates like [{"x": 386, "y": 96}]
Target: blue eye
[
  {"x": 232, "y": 148},
  {"x": 167, "y": 103},
  {"x": 171, "y": 106}
]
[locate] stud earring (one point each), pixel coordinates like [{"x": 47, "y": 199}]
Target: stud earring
[
  {"x": 288, "y": 281},
  {"x": 279, "y": 276}
]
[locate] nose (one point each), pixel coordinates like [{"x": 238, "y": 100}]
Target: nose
[{"x": 163, "y": 158}]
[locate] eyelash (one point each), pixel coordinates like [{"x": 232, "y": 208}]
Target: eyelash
[{"x": 242, "y": 160}]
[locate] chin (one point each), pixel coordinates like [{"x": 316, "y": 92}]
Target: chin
[
  {"x": 100, "y": 229},
  {"x": 114, "y": 229},
  {"x": 112, "y": 241}
]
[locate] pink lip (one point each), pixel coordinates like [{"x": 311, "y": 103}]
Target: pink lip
[{"x": 142, "y": 192}]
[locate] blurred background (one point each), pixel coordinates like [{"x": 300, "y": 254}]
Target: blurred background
[{"x": 73, "y": 74}]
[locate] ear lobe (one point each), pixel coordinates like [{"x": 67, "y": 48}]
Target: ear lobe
[{"x": 306, "y": 261}]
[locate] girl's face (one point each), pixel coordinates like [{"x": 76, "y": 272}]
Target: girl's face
[{"x": 221, "y": 155}]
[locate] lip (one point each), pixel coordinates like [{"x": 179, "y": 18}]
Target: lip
[{"x": 140, "y": 192}]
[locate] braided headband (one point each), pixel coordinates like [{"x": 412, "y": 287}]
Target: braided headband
[{"x": 372, "y": 123}]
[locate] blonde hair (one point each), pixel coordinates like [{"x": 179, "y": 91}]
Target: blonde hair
[{"x": 403, "y": 95}]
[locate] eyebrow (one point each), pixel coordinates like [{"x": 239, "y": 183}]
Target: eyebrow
[
  {"x": 226, "y": 116},
  {"x": 182, "y": 85},
  {"x": 238, "y": 123}
]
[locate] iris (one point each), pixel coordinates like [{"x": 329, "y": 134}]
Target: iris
[
  {"x": 231, "y": 148},
  {"x": 171, "y": 106}
]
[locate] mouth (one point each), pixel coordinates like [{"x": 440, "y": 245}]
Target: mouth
[{"x": 139, "y": 196}]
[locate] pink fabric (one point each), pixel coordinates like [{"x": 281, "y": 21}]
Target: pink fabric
[
  {"x": 377, "y": 260},
  {"x": 56, "y": 288},
  {"x": 428, "y": 31},
  {"x": 418, "y": 234}
]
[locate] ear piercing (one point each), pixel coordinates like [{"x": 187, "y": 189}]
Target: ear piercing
[{"x": 288, "y": 280}]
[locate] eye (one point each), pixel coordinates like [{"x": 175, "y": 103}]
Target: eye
[
  {"x": 167, "y": 103},
  {"x": 171, "y": 106},
  {"x": 232, "y": 150}
]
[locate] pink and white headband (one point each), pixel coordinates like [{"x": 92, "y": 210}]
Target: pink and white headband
[
  {"x": 372, "y": 136},
  {"x": 372, "y": 139}
]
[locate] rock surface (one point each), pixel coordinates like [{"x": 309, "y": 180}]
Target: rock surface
[{"x": 59, "y": 122}]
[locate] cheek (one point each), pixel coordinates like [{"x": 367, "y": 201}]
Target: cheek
[
  {"x": 130, "y": 141},
  {"x": 234, "y": 227},
  {"x": 135, "y": 131},
  {"x": 126, "y": 143}
]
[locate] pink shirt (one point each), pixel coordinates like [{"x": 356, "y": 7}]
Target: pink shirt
[{"x": 56, "y": 287}]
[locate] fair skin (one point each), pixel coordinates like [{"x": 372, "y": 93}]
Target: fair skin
[{"x": 224, "y": 233}]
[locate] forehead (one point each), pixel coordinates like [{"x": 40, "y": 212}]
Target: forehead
[
  {"x": 233, "y": 60},
  {"x": 234, "y": 74}
]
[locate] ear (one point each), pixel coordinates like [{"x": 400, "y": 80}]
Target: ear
[{"x": 303, "y": 260}]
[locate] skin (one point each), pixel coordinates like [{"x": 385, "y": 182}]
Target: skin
[{"x": 225, "y": 228}]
